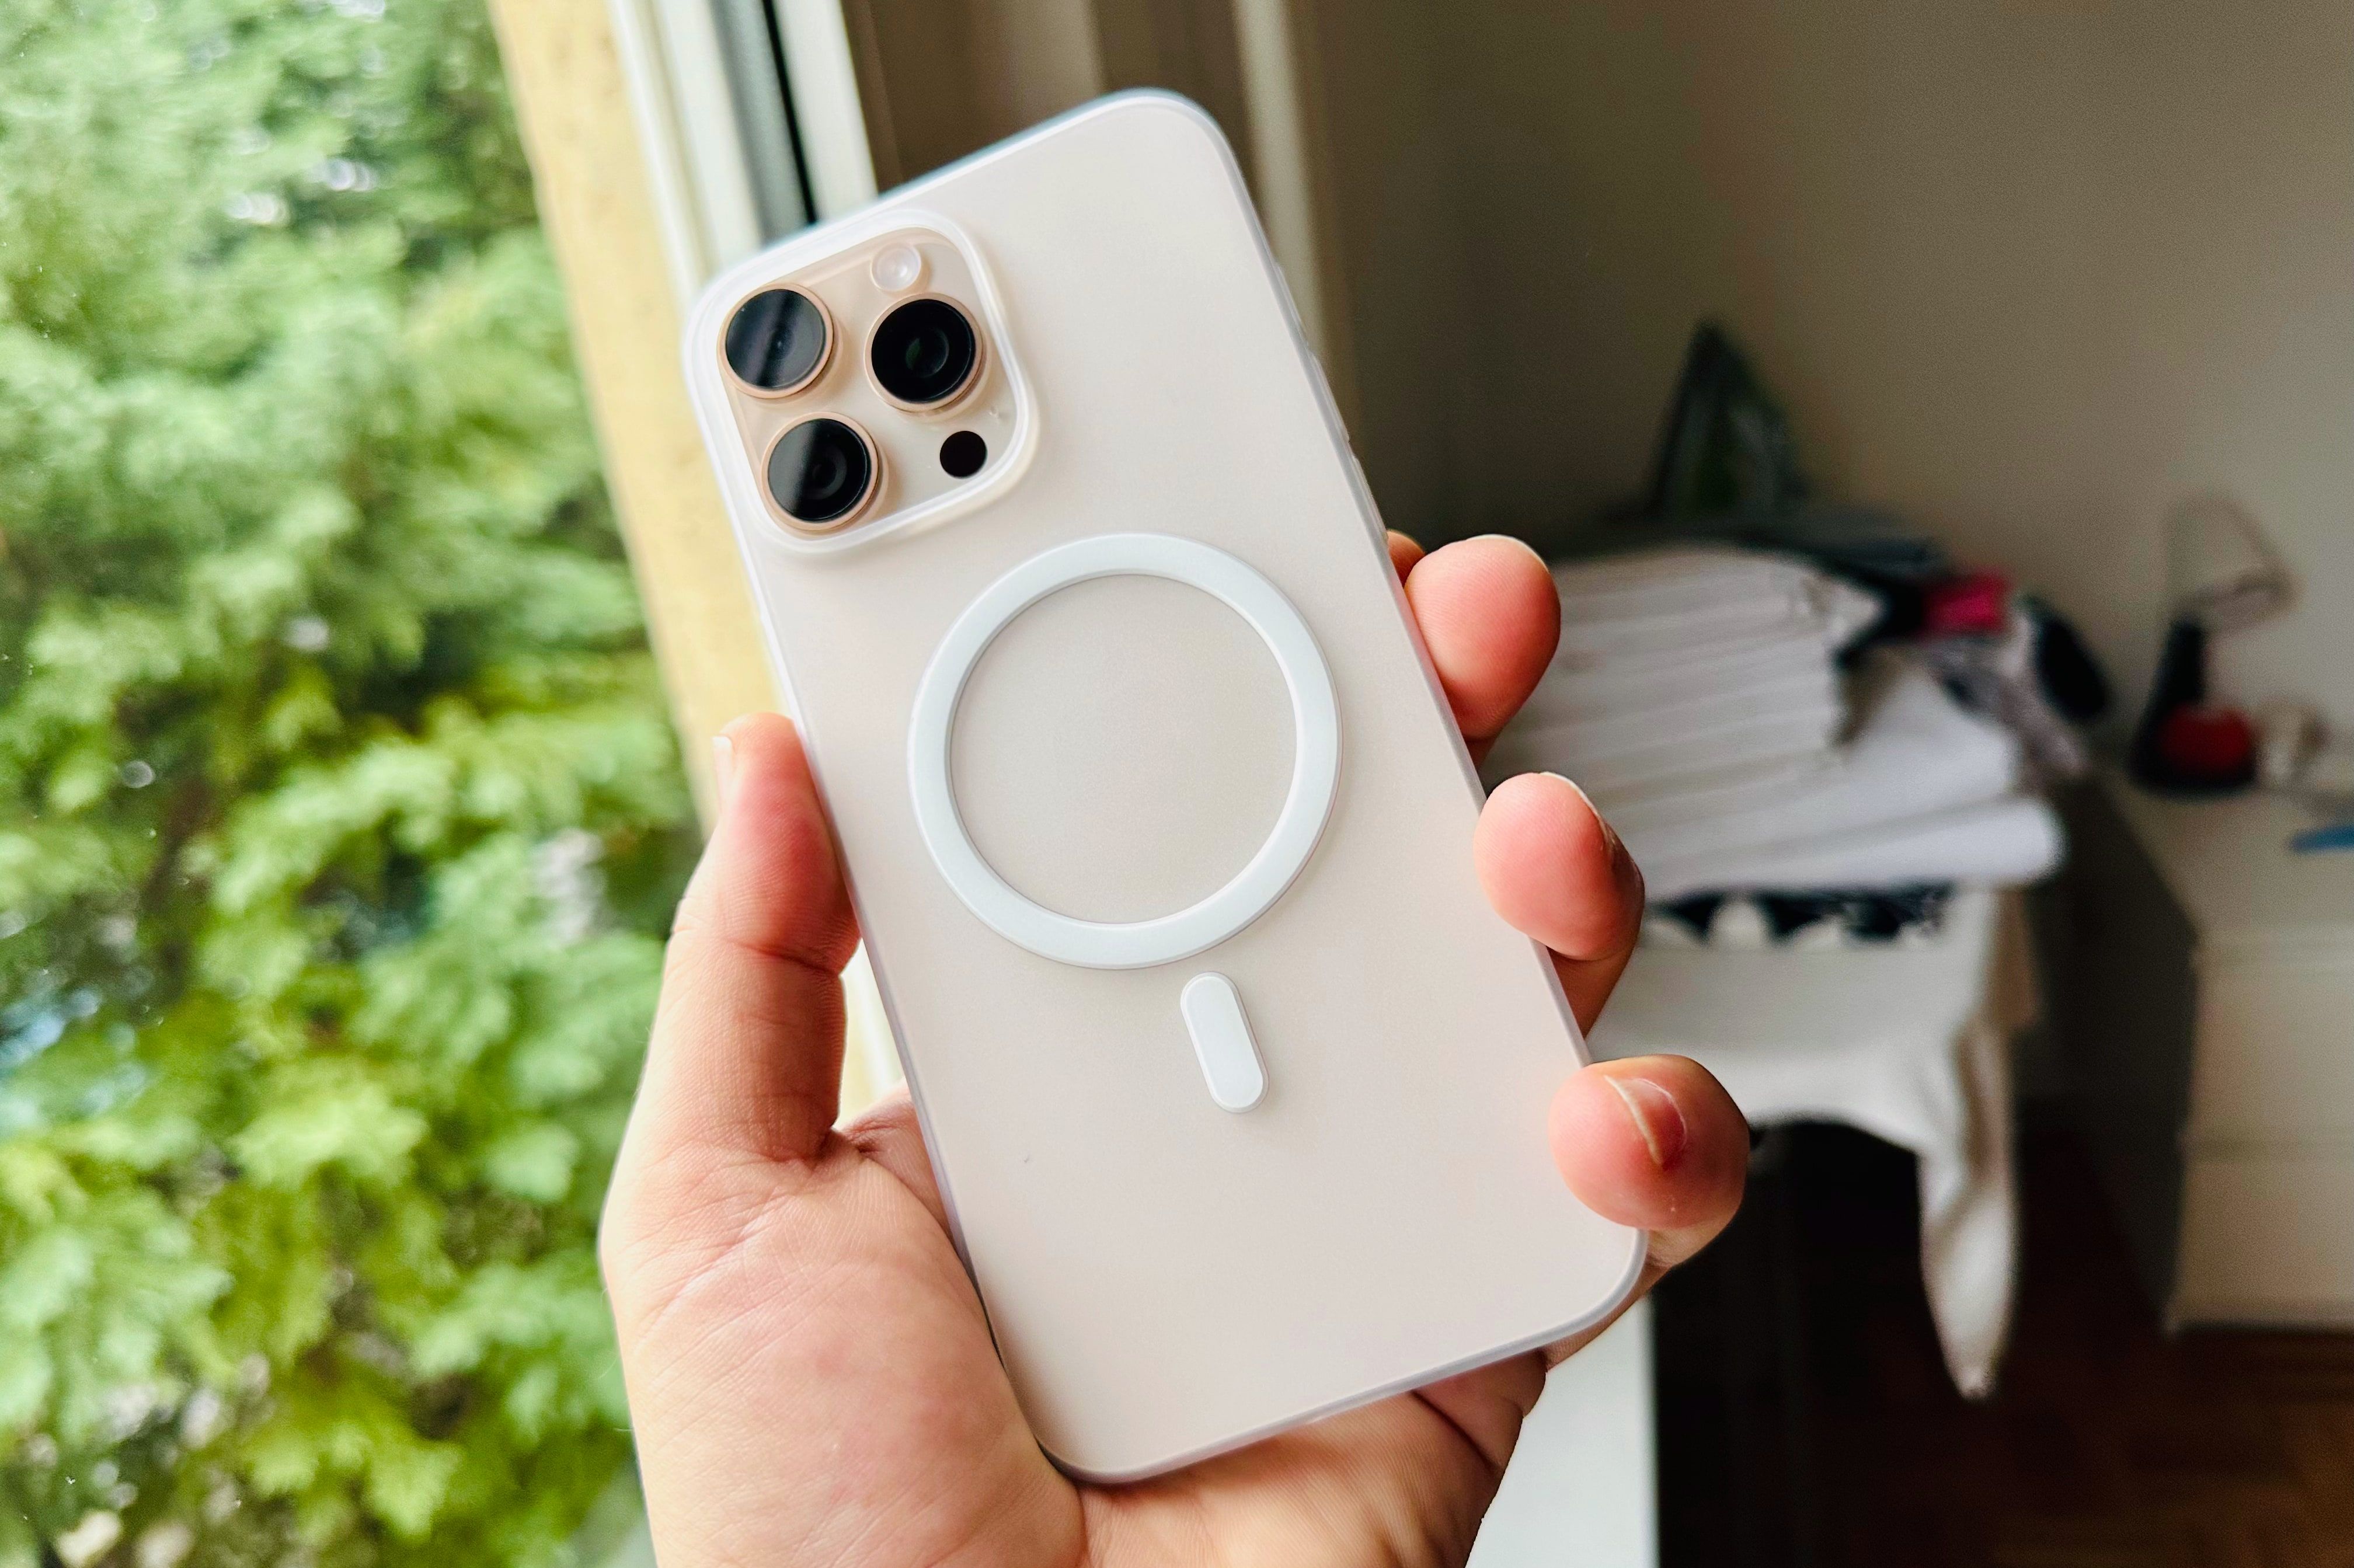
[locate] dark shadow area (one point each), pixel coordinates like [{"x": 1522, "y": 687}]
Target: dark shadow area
[{"x": 1805, "y": 1416}]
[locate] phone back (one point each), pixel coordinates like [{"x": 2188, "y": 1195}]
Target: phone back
[{"x": 1236, "y": 1086}]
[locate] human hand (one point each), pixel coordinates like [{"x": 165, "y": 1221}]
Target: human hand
[{"x": 811, "y": 1376}]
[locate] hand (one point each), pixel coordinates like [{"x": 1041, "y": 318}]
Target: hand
[{"x": 809, "y": 1374}]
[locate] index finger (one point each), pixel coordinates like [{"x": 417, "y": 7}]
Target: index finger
[{"x": 1489, "y": 615}]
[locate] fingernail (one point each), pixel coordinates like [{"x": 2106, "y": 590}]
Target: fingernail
[
  {"x": 1657, "y": 1117},
  {"x": 1609, "y": 833},
  {"x": 723, "y": 767}
]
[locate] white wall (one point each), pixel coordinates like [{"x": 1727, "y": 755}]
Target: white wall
[{"x": 2029, "y": 273}]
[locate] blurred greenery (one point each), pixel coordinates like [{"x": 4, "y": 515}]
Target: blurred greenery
[{"x": 339, "y": 815}]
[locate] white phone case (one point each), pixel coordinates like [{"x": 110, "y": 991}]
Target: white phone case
[{"x": 1158, "y": 826}]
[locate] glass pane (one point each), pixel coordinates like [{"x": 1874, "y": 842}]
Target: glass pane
[{"x": 340, "y": 817}]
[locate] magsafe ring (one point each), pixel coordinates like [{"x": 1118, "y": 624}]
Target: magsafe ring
[{"x": 1307, "y": 803}]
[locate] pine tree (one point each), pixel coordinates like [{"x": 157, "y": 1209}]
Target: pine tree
[{"x": 339, "y": 818}]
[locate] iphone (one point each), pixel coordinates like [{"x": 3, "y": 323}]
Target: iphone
[{"x": 1157, "y": 824}]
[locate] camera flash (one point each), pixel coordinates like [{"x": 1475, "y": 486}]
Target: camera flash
[{"x": 897, "y": 267}]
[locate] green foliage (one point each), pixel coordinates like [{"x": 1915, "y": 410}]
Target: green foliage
[{"x": 339, "y": 818}]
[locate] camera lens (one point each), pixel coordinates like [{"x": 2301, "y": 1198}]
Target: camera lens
[
  {"x": 924, "y": 352},
  {"x": 777, "y": 340},
  {"x": 820, "y": 471}
]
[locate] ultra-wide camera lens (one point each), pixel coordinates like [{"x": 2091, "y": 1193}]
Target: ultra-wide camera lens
[
  {"x": 924, "y": 352},
  {"x": 777, "y": 340},
  {"x": 820, "y": 471}
]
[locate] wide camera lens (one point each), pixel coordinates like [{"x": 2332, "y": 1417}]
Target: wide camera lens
[
  {"x": 924, "y": 352},
  {"x": 777, "y": 340},
  {"x": 820, "y": 470}
]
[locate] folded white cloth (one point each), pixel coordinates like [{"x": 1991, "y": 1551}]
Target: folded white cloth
[
  {"x": 1591, "y": 735},
  {"x": 1672, "y": 760},
  {"x": 1578, "y": 687},
  {"x": 1996, "y": 844},
  {"x": 1913, "y": 752},
  {"x": 1743, "y": 789},
  {"x": 1686, "y": 666},
  {"x": 1703, "y": 793},
  {"x": 1675, "y": 601}
]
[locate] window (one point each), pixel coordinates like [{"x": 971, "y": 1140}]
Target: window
[{"x": 340, "y": 811}]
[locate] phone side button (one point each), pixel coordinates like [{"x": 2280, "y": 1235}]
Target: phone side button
[{"x": 1222, "y": 1042}]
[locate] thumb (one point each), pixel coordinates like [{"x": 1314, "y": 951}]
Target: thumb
[{"x": 746, "y": 1049}]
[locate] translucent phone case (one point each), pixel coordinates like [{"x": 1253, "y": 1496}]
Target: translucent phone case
[{"x": 1158, "y": 827}]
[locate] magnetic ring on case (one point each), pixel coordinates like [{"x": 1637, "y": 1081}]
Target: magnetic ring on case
[{"x": 1213, "y": 1012}]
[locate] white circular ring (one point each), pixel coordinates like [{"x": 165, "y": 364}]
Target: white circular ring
[{"x": 1307, "y": 804}]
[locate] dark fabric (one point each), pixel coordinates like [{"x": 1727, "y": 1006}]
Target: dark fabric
[{"x": 1864, "y": 914}]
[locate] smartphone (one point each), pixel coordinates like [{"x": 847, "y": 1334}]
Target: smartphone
[{"x": 1155, "y": 818}]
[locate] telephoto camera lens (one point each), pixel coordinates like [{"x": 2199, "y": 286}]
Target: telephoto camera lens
[
  {"x": 924, "y": 352},
  {"x": 776, "y": 341},
  {"x": 820, "y": 471}
]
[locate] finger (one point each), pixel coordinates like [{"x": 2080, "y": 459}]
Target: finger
[
  {"x": 1403, "y": 553},
  {"x": 747, "y": 1050},
  {"x": 1555, "y": 870},
  {"x": 1656, "y": 1143},
  {"x": 1489, "y": 616}
]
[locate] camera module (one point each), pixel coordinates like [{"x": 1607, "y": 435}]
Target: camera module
[
  {"x": 777, "y": 341},
  {"x": 924, "y": 353},
  {"x": 820, "y": 471}
]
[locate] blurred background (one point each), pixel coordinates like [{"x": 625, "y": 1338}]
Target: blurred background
[{"x": 1941, "y": 419}]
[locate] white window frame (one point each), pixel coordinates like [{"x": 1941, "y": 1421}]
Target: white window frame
[
  {"x": 732, "y": 170},
  {"x": 734, "y": 167}
]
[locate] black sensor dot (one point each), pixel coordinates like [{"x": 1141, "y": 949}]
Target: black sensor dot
[{"x": 962, "y": 454}]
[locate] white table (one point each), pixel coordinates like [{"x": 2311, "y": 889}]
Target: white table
[{"x": 1909, "y": 1042}]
